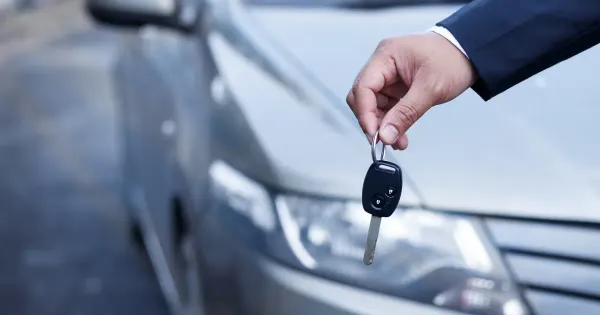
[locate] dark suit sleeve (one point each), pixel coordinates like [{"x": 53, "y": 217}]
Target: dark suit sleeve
[{"x": 509, "y": 41}]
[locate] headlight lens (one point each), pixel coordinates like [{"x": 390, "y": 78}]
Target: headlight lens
[{"x": 421, "y": 255}]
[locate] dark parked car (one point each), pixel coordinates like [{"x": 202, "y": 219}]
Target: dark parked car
[{"x": 242, "y": 169}]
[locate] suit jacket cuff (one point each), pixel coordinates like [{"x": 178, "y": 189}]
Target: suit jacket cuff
[
  {"x": 444, "y": 32},
  {"x": 480, "y": 86}
]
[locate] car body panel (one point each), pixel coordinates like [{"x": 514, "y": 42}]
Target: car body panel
[
  {"x": 157, "y": 102},
  {"x": 292, "y": 291},
  {"x": 146, "y": 179},
  {"x": 308, "y": 145}
]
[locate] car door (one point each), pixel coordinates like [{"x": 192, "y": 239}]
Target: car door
[
  {"x": 167, "y": 75},
  {"x": 149, "y": 133}
]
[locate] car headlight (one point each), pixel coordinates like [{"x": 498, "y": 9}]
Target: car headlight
[{"x": 425, "y": 256}]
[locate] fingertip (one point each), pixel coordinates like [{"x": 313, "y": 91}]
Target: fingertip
[
  {"x": 369, "y": 138},
  {"x": 402, "y": 142}
]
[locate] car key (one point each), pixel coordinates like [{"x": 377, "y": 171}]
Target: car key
[{"x": 380, "y": 196}]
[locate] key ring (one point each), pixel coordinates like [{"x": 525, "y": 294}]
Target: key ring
[{"x": 373, "y": 149}]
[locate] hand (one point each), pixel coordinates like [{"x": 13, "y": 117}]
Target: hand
[{"x": 403, "y": 79}]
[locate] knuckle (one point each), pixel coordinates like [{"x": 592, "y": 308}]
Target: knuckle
[
  {"x": 386, "y": 44},
  {"x": 406, "y": 114},
  {"x": 440, "y": 90},
  {"x": 351, "y": 101},
  {"x": 356, "y": 85},
  {"x": 437, "y": 89},
  {"x": 389, "y": 41},
  {"x": 350, "y": 98}
]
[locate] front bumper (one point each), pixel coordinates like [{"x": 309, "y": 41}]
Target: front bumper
[{"x": 287, "y": 291}]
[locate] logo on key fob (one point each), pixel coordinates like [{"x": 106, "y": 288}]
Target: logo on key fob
[{"x": 380, "y": 195}]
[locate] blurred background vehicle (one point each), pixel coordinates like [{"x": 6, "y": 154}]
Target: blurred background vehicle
[{"x": 242, "y": 169}]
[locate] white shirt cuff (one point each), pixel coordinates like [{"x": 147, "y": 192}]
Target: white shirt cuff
[{"x": 447, "y": 35}]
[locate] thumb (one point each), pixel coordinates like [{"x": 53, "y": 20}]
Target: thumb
[{"x": 406, "y": 112}]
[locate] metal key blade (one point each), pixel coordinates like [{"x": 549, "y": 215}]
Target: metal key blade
[{"x": 372, "y": 240}]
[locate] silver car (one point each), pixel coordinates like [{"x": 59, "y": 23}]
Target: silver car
[{"x": 242, "y": 168}]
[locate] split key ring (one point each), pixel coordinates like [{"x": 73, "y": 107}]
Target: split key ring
[{"x": 374, "y": 149}]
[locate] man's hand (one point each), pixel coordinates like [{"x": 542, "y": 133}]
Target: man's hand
[{"x": 404, "y": 78}]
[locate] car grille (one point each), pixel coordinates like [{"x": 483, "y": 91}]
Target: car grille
[{"x": 556, "y": 264}]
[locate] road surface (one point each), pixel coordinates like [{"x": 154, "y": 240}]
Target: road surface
[{"x": 64, "y": 246}]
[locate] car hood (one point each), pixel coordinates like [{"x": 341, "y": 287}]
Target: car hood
[{"x": 531, "y": 151}]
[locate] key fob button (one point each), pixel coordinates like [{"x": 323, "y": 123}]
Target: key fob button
[
  {"x": 391, "y": 191},
  {"x": 378, "y": 202},
  {"x": 382, "y": 189}
]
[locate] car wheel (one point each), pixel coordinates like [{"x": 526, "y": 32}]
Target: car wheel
[{"x": 191, "y": 292}]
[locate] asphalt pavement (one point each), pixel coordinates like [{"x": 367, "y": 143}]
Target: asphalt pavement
[{"x": 64, "y": 247}]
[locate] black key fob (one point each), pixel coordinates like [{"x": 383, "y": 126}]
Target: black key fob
[{"x": 382, "y": 188}]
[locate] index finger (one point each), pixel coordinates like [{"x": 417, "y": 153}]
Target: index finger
[{"x": 379, "y": 72}]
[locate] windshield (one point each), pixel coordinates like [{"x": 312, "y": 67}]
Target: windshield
[{"x": 351, "y": 3}]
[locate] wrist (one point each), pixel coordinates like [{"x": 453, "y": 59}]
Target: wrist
[
  {"x": 452, "y": 61},
  {"x": 448, "y": 37}
]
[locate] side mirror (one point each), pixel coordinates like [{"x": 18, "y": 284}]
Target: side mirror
[{"x": 179, "y": 14}]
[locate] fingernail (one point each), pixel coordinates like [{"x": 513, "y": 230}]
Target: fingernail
[
  {"x": 369, "y": 138},
  {"x": 389, "y": 134}
]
